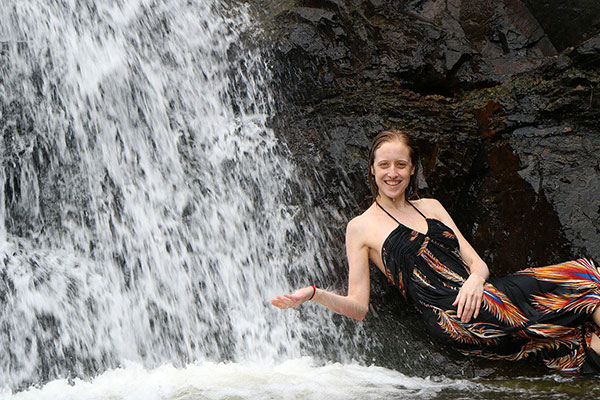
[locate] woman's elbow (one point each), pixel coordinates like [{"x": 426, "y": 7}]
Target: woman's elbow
[{"x": 361, "y": 313}]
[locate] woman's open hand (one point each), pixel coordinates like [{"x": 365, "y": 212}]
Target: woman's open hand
[
  {"x": 469, "y": 298},
  {"x": 295, "y": 299}
]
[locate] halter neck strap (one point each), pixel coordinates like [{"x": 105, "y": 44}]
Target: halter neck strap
[
  {"x": 415, "y": 207},
  {"x": 385, "y": 211},
  {"x": 392, "y": 217}
]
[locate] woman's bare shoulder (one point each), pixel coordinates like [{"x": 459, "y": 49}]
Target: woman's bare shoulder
[
  {"x": 362, "y": 222},
  {"x": 430, "y": 206}
]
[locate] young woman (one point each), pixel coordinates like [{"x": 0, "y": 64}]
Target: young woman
[{"x": 551, "y": 313}]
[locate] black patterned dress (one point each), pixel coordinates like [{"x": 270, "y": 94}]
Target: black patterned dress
[{"x": 543, "y": 313}]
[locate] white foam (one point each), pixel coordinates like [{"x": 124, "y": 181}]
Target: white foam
[{"x": 294, "y": 379}]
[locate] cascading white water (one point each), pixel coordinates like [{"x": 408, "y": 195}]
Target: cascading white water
[
  {"x": 150, "y": 212},
  {"x": 2, "y": 207}
]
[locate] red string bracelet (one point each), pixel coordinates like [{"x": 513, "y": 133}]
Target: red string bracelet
[{"x": 314, "y": 291}]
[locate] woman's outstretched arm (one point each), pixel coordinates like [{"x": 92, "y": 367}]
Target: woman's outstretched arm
[{"x": 356, "y": 303}]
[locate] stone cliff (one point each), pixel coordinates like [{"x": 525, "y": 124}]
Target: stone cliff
[{"x": 502, "y": 97}]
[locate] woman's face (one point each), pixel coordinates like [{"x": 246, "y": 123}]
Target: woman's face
[{"x": 392, "y": 168}]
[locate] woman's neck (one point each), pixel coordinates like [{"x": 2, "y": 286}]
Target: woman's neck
[{"x": 398, "y": 203}]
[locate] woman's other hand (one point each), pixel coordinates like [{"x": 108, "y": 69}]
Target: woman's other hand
[{"x": 468, "y": 300}]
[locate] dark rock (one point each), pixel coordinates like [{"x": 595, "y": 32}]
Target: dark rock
[
  {"x": 567, "y": 22},
  {"x": 562, "y": 164},
  {"x": 513, "y": 226},
  {"x": 429, "y": 47},
  {"x": 588, "y": 54},
  {"x": 537, "y": 169}
]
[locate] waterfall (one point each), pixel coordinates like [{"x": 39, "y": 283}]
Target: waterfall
[{"x": 148, "y": 212}]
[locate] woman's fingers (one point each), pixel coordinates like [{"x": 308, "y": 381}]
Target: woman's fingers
[
  {"x": 467, "y": 312},
  {"x": 294, "y": 299},
  {"x": 282, "y": 302},
  {"x": 477, "y": 306},
  {"x": 464, "y": 305},
  {"x": 468, "y": 300},
  {"x": 287, "y": 301},
  {"x": 278, "y": 302},
  {"x": 471, "y": 310},
  {"x": 468, "y": 303},
  {"x": 461, "y": 304}
]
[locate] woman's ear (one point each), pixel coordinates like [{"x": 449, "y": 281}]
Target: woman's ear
[{"x": 372, "y": 170}]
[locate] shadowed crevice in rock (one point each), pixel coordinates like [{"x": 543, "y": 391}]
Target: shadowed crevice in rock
[
  {"x": 587, "y": 55},
  {"x": 569, "y": 178},
  {"x": 513, "y": 226}
]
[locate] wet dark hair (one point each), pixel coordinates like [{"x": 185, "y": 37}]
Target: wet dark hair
[{"x": 391, "y": 135}]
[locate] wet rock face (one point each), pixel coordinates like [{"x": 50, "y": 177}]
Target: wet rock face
[
  {"x": 567, "y": 22},
  {"x": 428, "y": 46},
  {"x": 564, "y": 165},
  {"x": 507, "y": 125},
  {"x": 587, "y": 55}
]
